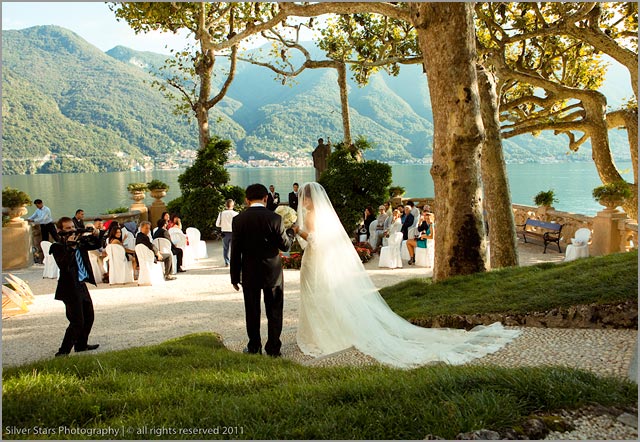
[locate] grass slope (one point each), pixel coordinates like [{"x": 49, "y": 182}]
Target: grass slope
[
  {"x": 195, "y": 383},
  {"x": 604, "y": 279}
]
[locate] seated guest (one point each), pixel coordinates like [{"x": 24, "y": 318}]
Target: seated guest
[
  {"x": 166, "y": 258},
  {"x": 376, "y": 229},
  {"x": 424, "y": 233},
  {"x": 407, "y": 223},
  {"x": 369, "y": 217},
  {"x": 161, "y": 232},
  {"x": 393, "y": 226},
  {"x": 388, "y": 210},
  {"x": 168, "y": 219},
  {"x": 414, "y": 210},
  {"x": 116, "y": 237},
  {"x": 177, "y": 223}
]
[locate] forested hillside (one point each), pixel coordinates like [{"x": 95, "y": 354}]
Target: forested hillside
[{"x": 69, "y": 107}]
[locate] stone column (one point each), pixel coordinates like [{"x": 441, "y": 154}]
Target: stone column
[
  {"x": 16, "y": 242},
  {"x": 137, "y": 197},
  {"x": 606, "y": 236},
  {"x": 158, "y": 206}
]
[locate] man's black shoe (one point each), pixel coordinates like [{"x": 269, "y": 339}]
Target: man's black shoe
[
  {"x": 181, "y": 270},
  {"x": 246, "y": 350},
  {"x": 88, "y": 347}
]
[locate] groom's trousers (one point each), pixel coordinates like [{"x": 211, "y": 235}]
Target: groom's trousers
[{"x": 273, "y": 305}]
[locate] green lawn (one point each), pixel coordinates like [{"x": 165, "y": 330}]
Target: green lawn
[
  {"x": 605, "y": 279},
  {"x": 195, "y": 383}
]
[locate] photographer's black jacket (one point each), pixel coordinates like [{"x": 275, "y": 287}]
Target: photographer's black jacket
[{"x": 68, "y": 285}]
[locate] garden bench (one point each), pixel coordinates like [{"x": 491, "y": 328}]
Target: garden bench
[{"x": 552, "y": 233}]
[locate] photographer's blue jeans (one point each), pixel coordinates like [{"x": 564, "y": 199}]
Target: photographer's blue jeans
[{"x": 226, "y": 245}]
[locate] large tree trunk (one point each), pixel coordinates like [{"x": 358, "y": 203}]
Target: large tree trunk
[
  {"x": 344, "y": 102},
  {"x": 497, "y": 197},
  {"x": 204, "y": 69},
  {"x": 447, "y": 39},
  {"x": 628, "y": 118}
]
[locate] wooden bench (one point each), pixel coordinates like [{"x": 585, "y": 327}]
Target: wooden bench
[{"x": 552, "y": 233}]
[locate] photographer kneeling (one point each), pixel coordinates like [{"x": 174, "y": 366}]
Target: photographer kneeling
[{"x": 70, "y": 253}]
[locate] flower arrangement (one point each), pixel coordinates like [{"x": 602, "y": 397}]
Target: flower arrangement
[
  {"x": 137, "y": 187},
  {"x": 157, "y": 185},
  {"x": 364, "y": 250},
  {"x": 289, "y": 216},
  {"x": 545, "y": 198},
  {"x": 293, "y": 261},
  {"x": 14, "y": 198}
]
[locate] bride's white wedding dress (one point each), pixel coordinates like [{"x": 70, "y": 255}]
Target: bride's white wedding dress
[{"x": 340, "y": 307}]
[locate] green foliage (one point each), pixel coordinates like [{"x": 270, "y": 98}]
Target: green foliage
[
  {"x": 5, "y": 220},
  {"x": 195, "y": 382},
  {"x": 619, "y": 190},
  {"x": 603, "y": 280},
  {"x": 202, "y": 187},
  {"x": 157, "y": 184},
  {"x": 396, "y": 190},
  {"x": 545, "y": 198},
  {"x": 352, "y": 185},
  {"x": 137, "y": 187},
  {"x": 117, "y": 210},
  {"x": 175, "y": 206},
  {"x": 236, "y": 193},
  {"x": 14, "y": 198}
]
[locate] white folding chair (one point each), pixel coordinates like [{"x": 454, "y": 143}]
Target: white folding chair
[
  {"x": 579, "y": 247},
  {"x": 164, "y": 245},
  {"x": 390, "y": 255},
  {"x": 198, "y": 247},
  {"x": 51, "y": 269},
  {"x": 423, "y": 256},
  {"x": 151, "y": 273},
  {"x": 97, "y": 265},
  {"x": 179, "y": 239},
  {"x": 120, "y": 268}
]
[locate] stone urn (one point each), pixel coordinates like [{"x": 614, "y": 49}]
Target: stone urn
[
  {"x": 610, "y": 203},
  {"x": 158, "y": 194},
  {"x": 16, "y": 212},
  {"x": 137, "y": 196}
]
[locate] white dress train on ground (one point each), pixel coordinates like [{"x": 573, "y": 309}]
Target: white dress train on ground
[{"x": 340, "y": 307}]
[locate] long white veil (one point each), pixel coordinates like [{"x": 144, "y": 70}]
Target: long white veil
[{"x": 346, "y": 308}]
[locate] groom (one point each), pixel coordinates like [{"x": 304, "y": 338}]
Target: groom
[{"x": 257, "y": 236}]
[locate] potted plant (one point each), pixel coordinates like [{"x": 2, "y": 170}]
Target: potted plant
[
  {"x": 613, "y": 194},
  {"x": 16, "y": 201},
  {"x": 396, "y": 191},
  {"x": 545, "y": 199},
  {"x": 158, "y": 188},
  {"x": 137, "y": 191}
]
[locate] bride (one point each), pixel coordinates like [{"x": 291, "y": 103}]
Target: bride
[{"x": 340, "y": 307}]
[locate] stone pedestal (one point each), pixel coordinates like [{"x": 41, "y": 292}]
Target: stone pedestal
[
  {"x": 16, "y": 245},
  {"x": 606, "y": 236},
  {"x": 158, "y": 206},
  {"x": 137, "y": 198}
]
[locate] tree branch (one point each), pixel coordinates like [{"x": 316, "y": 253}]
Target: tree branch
[{"x": 232, "y": 72}]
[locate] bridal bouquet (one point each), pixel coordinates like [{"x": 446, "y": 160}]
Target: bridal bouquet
[{"x": 289, "y": 216}]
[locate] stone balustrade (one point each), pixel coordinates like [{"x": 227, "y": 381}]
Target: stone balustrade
[{"x": 570, "y": 221}]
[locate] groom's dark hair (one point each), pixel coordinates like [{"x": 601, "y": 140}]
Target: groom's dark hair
[{"x": 256, "y": 192}]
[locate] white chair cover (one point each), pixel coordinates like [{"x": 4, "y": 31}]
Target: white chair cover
[
  {"x": 179, "y": 239},
  {"x": 404, "y": 251},
  {"x": 51, "y": 269},
  {"x": 150, "y": 273},
  {"x": 164, "y": 245},
  {"x": 422, "y": 257},
  {"x": 198, "y": 247},
  {"x": 120, "y": 269},
  {"x": 579, "y": 247},
  {"x": 128, "y": 239},
  {"x": 97, "y": 265},
  {"x": 390, "y": 255}
]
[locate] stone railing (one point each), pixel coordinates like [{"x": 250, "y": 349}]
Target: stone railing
[
  {"x": 570, "y": 221},
  {"x": 628, "y": 235}
]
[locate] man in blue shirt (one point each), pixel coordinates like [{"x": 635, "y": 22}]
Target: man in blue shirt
[{"x": 42, "y": 217}]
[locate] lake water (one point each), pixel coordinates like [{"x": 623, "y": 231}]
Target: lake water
[{"x": 97, "y": 192}]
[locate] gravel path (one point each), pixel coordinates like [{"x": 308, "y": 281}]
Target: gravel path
[{"x": 202, "y": 300}]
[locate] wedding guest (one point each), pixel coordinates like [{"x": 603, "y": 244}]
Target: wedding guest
[
  {"x": 224, "y": 222},
  {"x": 162, "y": 232},
  {"x": 116, "y": 237},
  {"x": 388, "y": 209},
  {"x": 273, "y": 198},
  {"x": 420, "y": 241},
  {"x": 407, "y": 223},
  {"x": 293, "y": 197},
  {"x": 78, "y": 219},
  {"x": 166, "y": 258},
  {"x": 394, "y": 226},
  {"x": 376, "y": 229},
  {"x": 42, "y": 217},
  {"x": 167, "y": 218}
]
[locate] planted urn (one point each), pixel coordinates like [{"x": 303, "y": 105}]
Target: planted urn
[
  {"x": 15, "y": 201},
  {"x": 158, "y": 188},
  {"x": 612, "y": 195}
]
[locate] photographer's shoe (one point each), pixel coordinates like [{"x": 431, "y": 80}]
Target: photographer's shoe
[
  {"x": 169, "y": 278},
  {"x": 88, "y": 347}
]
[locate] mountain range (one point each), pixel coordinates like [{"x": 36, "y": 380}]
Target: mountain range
[{"x": 69, "y": 107}]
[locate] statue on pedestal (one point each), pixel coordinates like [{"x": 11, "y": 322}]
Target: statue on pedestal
[{"x": 320, "y": 157}]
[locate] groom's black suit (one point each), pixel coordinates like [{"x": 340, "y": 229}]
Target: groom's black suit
[{"x": 257, "y": 237}]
